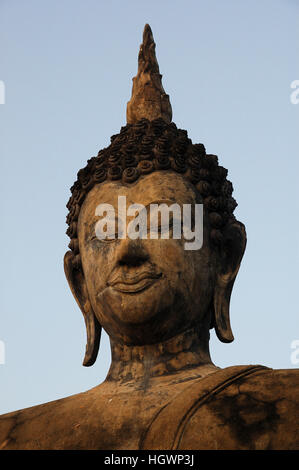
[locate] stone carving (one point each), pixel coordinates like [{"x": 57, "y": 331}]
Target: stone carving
[
  {"x": 157, "y": 302},
  {"x": 148, "y": 96}
]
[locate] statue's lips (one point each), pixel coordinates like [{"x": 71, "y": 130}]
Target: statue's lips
[{"x": 134, "y": 283}]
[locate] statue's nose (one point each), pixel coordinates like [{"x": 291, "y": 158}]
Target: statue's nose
[{"x": 131, "y": 253}]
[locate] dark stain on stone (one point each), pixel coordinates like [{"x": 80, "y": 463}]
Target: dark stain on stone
[{"x": 247, "y": 417}]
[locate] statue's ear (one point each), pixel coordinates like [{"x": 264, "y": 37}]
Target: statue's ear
[
  {"x": 76, "y": 280},
  {"x": 231, "y": 253}
]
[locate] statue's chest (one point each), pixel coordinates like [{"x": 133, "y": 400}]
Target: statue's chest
[{"x": 125, "y": 419}]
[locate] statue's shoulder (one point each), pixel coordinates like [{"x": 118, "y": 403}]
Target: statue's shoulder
[
  {"x": 239, "y": 407},
  {"x": 280, "y": 383},
  {"x": 55, "y": 424}
]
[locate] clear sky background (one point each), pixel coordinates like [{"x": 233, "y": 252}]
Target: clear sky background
[{"x": 67, "y": 67}]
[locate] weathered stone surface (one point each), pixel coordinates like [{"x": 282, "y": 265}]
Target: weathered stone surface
[
  {"x": 183, "y": 411},
  {"x": 149, "y": 99},
  {"x": 158, "y": 301}
]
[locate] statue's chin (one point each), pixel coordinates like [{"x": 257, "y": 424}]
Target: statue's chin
[
  {"x": 140, "y": 303},
  {"x": 136, "y": 304}
]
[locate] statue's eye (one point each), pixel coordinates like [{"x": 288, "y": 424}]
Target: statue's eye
[
  {"x": 106, "y": 230},
  {"x": 162, "y": 228},
  {"x": 108, "y": 239},
  {"x": 168, "y": 227}
]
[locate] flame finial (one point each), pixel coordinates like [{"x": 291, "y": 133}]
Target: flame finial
[{"x": 149, "y": 99}]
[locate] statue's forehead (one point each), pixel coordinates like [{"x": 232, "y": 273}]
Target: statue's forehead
[{"x": 157, "y": 186}]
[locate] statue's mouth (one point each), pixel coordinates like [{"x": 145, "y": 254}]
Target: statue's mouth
[{"x": 136, "y": 283}]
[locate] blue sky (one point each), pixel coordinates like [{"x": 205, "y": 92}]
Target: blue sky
[{"x": 67, "y": 67}]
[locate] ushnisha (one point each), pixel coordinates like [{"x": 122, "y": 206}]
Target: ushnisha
[{"x": 158, "y": 302}]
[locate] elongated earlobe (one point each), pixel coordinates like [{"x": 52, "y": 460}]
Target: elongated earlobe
[
  {"x": 232, "y": 251},
  {"x": 76, "y": 280},
  {"x": 221, "y": 312}
]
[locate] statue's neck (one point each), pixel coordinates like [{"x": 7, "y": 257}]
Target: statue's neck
[{"x": 183, "y": 352}]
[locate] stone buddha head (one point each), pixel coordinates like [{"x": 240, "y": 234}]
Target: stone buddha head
[{"x": 144, "y": 290}]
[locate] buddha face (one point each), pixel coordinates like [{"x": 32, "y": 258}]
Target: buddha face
[{"x": 145, "y": 290}]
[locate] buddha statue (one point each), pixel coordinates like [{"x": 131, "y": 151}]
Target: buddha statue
[{"x": 157, "y": 301}]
